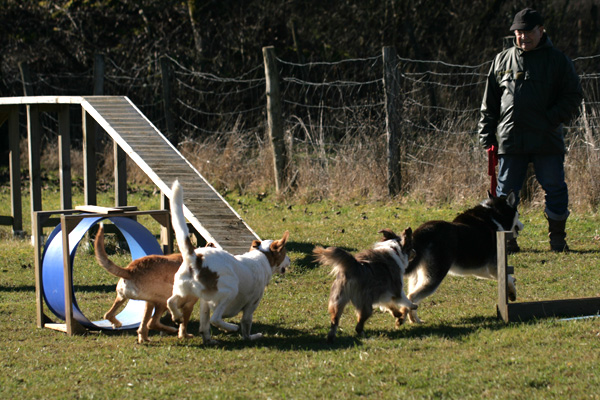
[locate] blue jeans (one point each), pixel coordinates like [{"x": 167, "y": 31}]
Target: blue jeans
[{"x": 549, "y": 172}]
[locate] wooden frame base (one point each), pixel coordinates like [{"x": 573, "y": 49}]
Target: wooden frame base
[
  {"x": 69, "y": 220},
  {"x": 525, "y": 311}
]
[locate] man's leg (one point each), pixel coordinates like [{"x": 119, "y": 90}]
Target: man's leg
[
  {"x": 512, "y": 169},
  {"x": 550, "y": 173}
]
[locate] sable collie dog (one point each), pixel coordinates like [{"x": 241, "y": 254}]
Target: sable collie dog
[
  {"x": 464, "y": 247},
  {"x": 148, "y": 278},
  {"x": 371, "y": 278},
  {"x": 225, "y": 284}
]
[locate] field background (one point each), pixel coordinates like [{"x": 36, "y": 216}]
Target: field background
[
  {"x": 461, "y": 351},
  {"x": 330, "y": 63}
]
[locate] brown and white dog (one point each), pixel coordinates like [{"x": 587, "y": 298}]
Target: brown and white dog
[
  {"x": 225, "y": 284},
  {"x": 371, "y": 278},
  {"x": 150, "y": 279}
]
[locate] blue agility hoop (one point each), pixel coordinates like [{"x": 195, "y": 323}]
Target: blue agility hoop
[{"x": 141, "y": 243}]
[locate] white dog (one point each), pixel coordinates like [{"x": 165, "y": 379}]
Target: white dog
[{"x": 225, "y": 284}]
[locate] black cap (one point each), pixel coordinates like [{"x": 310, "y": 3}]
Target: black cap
[{"x": 526, "y": 20}]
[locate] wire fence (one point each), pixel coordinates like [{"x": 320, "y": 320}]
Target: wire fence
[
  {"x": 321, "y": 99},
  {"x": 324, "y": 103}
]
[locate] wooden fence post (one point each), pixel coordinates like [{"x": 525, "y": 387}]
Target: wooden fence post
[
  {"x": 64, "y": 153},
  {"x": 392, "y": 120},
  {"x": 274, "y": 116},
  {"x": 165, "y": 72},
  {"x": 593, "y": 158},
  {"x": 120, "y": 175},
  {"x": 34, "y": 138},
  {"x": 15, "y": 170},
  {"x": 99, "y": 75},
  {"x": 26, "y": 78},
  {"x": 89, "y": 158},
  {"x": 99, "y": 68}
]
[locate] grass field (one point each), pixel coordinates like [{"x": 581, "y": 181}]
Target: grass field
[{"x": 461, "y": 351}]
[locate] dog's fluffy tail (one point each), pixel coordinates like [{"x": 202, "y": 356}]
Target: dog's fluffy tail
[
  {"x": 180, "y": 226},
  {"x": 340, "y": 260},
  {"x": 103, "y": 259}
]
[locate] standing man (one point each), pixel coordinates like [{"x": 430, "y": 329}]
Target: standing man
[{"x": 532, "y": 89}]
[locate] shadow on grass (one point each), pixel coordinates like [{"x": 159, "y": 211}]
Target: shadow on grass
[
  {"x": 276, "y": 337},
  {"x": 589, "y": 251},
  {"x": 109, "y": 288},
  {"x": 456, "y": 331},
  {"x": 10, "y": 289},
  {"x": 286, "y": 339},
  {"x": 553, "y": 254},
  {"x": 307, "y": 261}
]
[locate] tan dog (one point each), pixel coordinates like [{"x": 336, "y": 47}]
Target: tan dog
[{"x": 150, "y": 279}]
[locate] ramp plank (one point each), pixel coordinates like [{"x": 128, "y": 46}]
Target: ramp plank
[{"x": 204, "y": 208}]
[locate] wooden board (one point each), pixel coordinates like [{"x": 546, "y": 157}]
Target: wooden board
[
  {"x": 210, "y": 215},
  {"x": 213, "y": 218},
  {"x": 525, "y": 311}
]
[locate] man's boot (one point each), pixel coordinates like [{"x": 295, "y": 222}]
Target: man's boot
[{"x": 557, "y": 234}]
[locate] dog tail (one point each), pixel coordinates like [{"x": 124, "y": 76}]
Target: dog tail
[
  {"x": 180, "y": 226},
  {"x": 103, "y": 259},
  {"x": 340, "y": 260}
]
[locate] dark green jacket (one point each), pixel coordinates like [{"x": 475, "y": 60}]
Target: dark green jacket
[{"x": 528, "y": 97}]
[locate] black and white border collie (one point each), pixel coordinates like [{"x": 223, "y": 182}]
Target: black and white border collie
[{"x": 464, "y": 247}]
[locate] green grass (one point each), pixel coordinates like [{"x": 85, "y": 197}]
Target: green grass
[{"x": 461, "y": 351}]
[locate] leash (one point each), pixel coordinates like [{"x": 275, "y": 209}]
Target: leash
[{"x": 492, "y": 162}]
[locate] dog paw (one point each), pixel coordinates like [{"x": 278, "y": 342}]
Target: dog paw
[
  {"x": 142, "y": 340},
  {"x": 163, "y": 328},
  {"x": 331, "y": 334},
  {"x": 255, "y": 336},
  {"x": 176, "y": 315},
  {"x": 414, "y": 319},
  {"x": 225, "y": 326},
  {"x": 114, "y": 323}
]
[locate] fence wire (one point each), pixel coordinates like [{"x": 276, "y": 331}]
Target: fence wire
[{"x": 322, "y": 101}]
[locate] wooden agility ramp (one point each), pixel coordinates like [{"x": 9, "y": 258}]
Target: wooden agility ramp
[{"x": 205, "y": 209}]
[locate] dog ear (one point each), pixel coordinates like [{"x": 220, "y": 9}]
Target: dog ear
[
  {"x": 511, "y": 200},
  {"x": 255, "y": 244},
  {"x": 277, "y": 245},
  {"x": 412, "y": 255},
  {"x": 406, "y": 242},
  {"x": 388, "y": 234}
]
